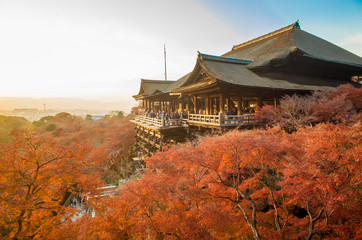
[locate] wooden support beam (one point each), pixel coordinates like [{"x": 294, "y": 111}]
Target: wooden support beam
[
  {"x": 188, "y": 103},
  {"x": 222, "y": 102},
  {"x": 207, "y": 105},
  {"x": 195, "y": 104},
  {"x": 245, "y": 104},
  {"x": 240, "y": 105},
  {"x": 259, "y": 102}
]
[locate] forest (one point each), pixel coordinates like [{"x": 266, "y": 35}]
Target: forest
[{"x": 297, "y": 175}]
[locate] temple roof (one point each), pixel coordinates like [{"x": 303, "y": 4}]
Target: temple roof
[
  {"x": 239, "y": 74},
  {"x": 150, "y": 87},
  {"x": 280, "y": 43},
  {"x": 239, "y": 66}
]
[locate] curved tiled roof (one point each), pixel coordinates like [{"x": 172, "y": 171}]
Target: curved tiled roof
[
  {"x": 149, "y": 87},
  {"x": 280, "y": 43},
  {"x": 237, "y": 66}
]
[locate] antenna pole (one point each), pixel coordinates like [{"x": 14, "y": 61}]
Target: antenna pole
[{"x": 164, "y": 53}]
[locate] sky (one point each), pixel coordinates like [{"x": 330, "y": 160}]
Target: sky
[{"x": 100, "y": 49}]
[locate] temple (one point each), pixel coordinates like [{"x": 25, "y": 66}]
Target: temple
[{"x": 222, "y": 92}]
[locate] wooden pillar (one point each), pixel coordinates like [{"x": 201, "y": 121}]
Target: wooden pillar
[
  {"x": 240, "y": 103},
  {"x": 188, "y": 103},
  {"x": 154, "y": 140},
  {"x": 245, "y": 104},
  {"x": 143, "y": 103},
  {"x": 207, "y": 105},
  {"x": 259, "y": 102},
  {"x": 195, "y": 104},
  {"x": 228, "y": 103},
  {"x": 149, "y": 142},
  {"x": 222, "y": 102}
]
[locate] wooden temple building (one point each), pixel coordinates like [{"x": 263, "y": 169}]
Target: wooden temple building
[{"x": 223, "y": 91}]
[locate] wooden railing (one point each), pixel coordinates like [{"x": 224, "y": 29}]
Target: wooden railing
[
  {"x": 150, "y": 121},
  {"x": 221, "y": 120},
  {"x": 212, "y": 120},
  {"x": 159, "y": 122}
]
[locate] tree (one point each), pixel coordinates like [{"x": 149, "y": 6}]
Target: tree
[
  {"x": 35, "y": 175},
  {"x": 251, "y": 185},
  {"x": 342, "y": 106},
  {"x": 9, "y": 123},
  {"x": 115, "y": 114},
  {"x": 115, "y": 135}
]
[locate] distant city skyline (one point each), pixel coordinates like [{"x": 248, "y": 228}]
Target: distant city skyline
[{"x": 99, "y": 50}]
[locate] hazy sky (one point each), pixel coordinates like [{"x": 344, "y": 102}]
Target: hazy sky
[{"x": 99, "y": 49}]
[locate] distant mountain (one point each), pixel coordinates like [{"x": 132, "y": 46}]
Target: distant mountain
[{"x": 11, "y": 103}]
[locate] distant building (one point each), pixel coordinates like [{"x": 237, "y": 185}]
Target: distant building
[
  {"x": 97, "y": 117},
  {"x": 222, "y": 91}
]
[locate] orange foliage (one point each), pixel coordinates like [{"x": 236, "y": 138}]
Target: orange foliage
[
  {"x": 251, "y": 184},
  {"x": 342, "y": 106},
  {"x": 36, "y": 174}
]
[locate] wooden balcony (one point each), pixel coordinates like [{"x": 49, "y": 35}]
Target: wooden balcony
[
  {"x": 220, "y": 120},
  {"x": 158, "y": 123},
  {"x": 198, "y": 120}
]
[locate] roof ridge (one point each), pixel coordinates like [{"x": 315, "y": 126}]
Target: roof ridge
[
  {"x": 268, "y": 35},
  {"x": 223, "y": 59},
  {"x": 157, "y": 81}
]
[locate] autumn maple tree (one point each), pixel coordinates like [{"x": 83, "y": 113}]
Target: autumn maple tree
[
  {"x": 260, "y": 184},
  {"x": 114, "y": 135},
  {"x": 36, "y": 176},
  {"x": 341, "y": 106}
]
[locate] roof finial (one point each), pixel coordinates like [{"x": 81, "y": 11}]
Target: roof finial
[{"x": 296, "y": 25}]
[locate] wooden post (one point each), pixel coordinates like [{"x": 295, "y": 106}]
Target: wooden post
[
  {"x": 161, "y": 141},
  {"x": 188, "y": 103},
  {"x": 211, "y": 102},
  {"x": 240, "y": 102},
  {"x": 220, "y": 118},
  {"x": 222, "y": 102},
  {"x": 260, "y": 102},
  {"x": 207, "y": 101},
  {"x": 195, "y": 104},
  {"x": 154, "y": 140},
  {"x": 245, "y": 104}
]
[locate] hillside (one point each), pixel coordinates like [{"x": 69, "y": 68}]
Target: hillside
[{"x": 11, "y": 103}]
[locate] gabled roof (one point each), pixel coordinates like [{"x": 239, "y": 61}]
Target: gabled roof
[
  {"x": 150, "y": 87},
  {"x": 235, "y": 67},
  {"x": 280, "y": 43},
  {"x": 239, "y": 74}
]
